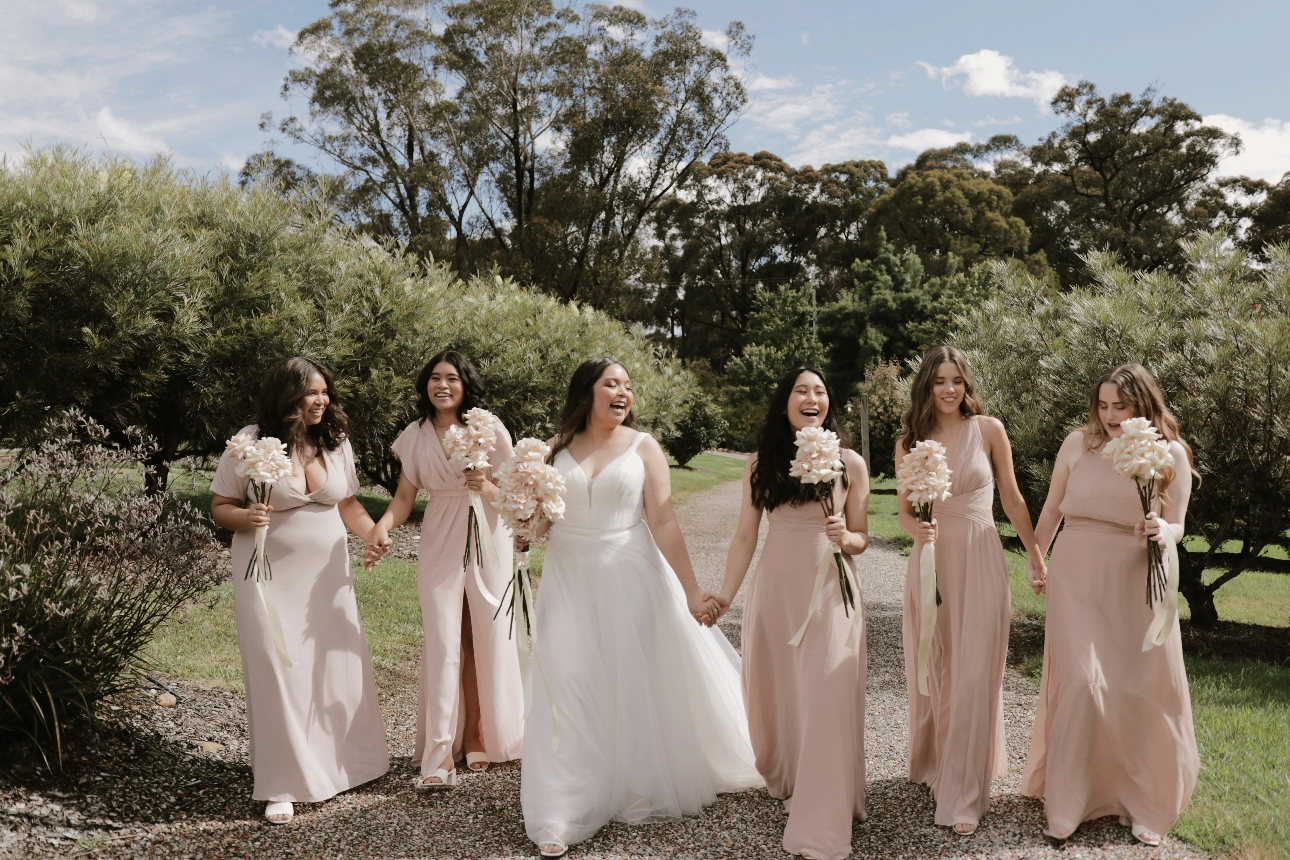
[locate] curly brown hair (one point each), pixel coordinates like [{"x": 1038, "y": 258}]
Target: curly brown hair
[{"x": 281, "y": 407}]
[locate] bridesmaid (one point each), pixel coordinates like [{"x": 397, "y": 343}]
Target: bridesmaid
[
  {"x": 471, "y": 699},
  {"x": 956, "y": 742},
  {"x": 1113, "y": 731},
  {"x": 315, "y": 726},
  {"x": 805, "y": 703}
]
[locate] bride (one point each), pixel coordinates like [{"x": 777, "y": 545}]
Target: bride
[{"x": 637, "y": 712}]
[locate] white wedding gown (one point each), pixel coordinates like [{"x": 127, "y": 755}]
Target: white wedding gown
[{"x": 647, "y": 707}]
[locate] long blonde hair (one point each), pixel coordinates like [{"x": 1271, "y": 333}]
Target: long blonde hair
[
  {"x": 920, "y": 418},
  {"x": 1141, "y": 393}
]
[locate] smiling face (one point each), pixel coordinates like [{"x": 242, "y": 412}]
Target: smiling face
[
  {"x": 808, "y": 402},
  {"x": 612, "y": 396},
  {"x": 316, "y": 400},
  {"x": 445, "y": 389},
  {"x": 948, "y": 388},
  {"x": 1112, "y": 409}
]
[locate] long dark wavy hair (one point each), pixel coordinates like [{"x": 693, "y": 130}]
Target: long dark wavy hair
[
  {"x": 473, "y": 392},
  {"x": 578, "y": 402},
  {"x": 772, "y": 486},
  {"x": 281, "y": 407},
  {"x": 920, "y": 418}
]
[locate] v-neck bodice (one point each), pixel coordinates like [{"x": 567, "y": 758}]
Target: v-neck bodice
[
  {"x": 341, "y": 482},
  {"x": 615, "y": 500}
]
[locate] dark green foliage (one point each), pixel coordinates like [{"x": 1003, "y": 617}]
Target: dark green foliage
[
  {"x": 1270, "y": 219},
  {"x": 699, "y": 428},
  {"x": 894, "y": 312},
  {"x": 149, "y": 298},
  {"x": 1124, "y": 174},
  {"x": 781, "y": 333},
  {"x": 1217, "y": 337},
  {"x": 90, "y": 565},
  {"x": 888, "y": 400}
]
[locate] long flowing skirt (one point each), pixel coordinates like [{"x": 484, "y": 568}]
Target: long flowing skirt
[{"x": 637, "y": 713}]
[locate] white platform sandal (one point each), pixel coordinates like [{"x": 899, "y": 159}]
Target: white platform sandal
[
  {"x": 552, "y": 849},
  {"x": 478, "y": 762},
  {"x": 447, "y": 779},
  {"x": 280, "y": 812}
]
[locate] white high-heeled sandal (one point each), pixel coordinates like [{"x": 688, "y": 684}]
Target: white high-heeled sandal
[
  {"x": 473, "y": 759},
  {"x": 282, "y": 809},
  {"x": 1147, "y": 837},
  {"x": 447, "y": 779},
  {"x": 560, "y": 849}
]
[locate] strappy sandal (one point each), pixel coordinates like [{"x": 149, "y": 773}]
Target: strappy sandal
[
  {"x": 963, "y": 828},
  {"x": 279, "y": 812},
  {"x": 552, "y": 849},
  {"x": 478, "y": 762},
  {"x": 447, "y": 779},
  {"x": 1141, "y": 833}
]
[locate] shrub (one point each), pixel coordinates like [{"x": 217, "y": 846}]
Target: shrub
[
  {"x": 699, "y": 428},
  {"x": 1218, "y": 340},
  {"x": 90, "y": 565},
  {"x": 888, "y": 400},
  {"x": 148, "y": 297},
  {"x": 526, "y": 346}
]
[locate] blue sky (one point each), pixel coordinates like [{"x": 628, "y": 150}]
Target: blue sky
[{"x": 831, "y": 80}]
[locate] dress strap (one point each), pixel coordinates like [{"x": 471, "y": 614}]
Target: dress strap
[{"x": 640, "y": 437}]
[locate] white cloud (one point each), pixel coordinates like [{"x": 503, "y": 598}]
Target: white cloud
[
  {"x": 125, "y": 136},
  {"x": 788, "y": 112},
  {"x": 716, "y": 39},
  {"x": 234, "y": 163},
  {"x": 80, "y": 10},
  {"x": 762, "y": 83},
  {"x": 1266, "y": 150},
  {"x": 928, "y": 138},
  {"x": 278, "y": 37},
  {"x": 900, "y": 119},
  {"x": 806, "y": 38},
  {"x": 989, "y": 73}
]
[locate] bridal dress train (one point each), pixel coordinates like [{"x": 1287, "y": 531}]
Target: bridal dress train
[{"x": 637, "y": 711}]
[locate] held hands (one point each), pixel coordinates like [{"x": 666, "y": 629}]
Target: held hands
[
  {"x": 257, "y": 515},
  {"x": 1037, "y": 574},
  {"x": 707, "y": 607},
  {"x": 836, "y": 528},
  {"x": 925, "y": 532},
  {"x": 378, "y": 545}
]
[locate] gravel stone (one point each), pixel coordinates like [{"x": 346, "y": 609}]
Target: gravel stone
[{"x": 153, "y": 782}]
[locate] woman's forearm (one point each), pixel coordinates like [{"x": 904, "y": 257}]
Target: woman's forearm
[
  {"x": 668, "y": 538},
  {"x": 356, "y": 518},
  {"x": 1019, "y": 515},
  {"x": 738, "y": 559}
]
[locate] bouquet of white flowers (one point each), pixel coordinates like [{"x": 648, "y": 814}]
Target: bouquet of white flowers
[
  {"x": 924, "y": 477},
  {"x": 468, "y": 446},
  {"x": 529, "y": 490},
  {"x": 264, "y": 462},
  {"x": 819, "y": 463},
  {"x": 1142, "y": 455}
]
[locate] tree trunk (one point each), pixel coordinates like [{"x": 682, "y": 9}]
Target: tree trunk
[
  {"x": 157, "y": 466},
  {"x": 1200, "y": 598}
]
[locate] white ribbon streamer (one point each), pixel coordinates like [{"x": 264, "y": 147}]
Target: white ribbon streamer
[
  {"x": 275, "y": 622},
  {"x": 528, "y": 647},
  {"x": 926, "y": 613},
  {"x": 486, "y": 548},
  {"x": 1166, "y": 611},
  {"x": 828, "y": 564}
]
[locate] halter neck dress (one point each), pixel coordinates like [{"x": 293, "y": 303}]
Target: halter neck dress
[{"x": 956, "y": 739}]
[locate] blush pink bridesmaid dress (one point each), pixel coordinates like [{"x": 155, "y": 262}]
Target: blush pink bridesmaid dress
[
  {"x": 1113, "y": 731},
  {"x": 956, "y": 741},
  {"x": 805, "y": 703},
  {"x": 315, "y": 726},
  {"x": 441, "y": 584}
]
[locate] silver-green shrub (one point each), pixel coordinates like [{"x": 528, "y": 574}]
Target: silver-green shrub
[
  {"x": 90, "y": 564},
  {"x": 1218, "y": 340},
  {"x": 152, "y": 298}
]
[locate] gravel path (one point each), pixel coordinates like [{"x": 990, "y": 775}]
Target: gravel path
[{"x": 146, "y": 787}]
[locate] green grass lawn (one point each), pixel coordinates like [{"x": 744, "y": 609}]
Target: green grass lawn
[{"x": 1242, "y": 803}]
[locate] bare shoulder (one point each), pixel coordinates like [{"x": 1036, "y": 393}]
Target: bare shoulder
[
  {"x": 1072, "y": 446},
  {"x": 853, "y": 462},
  {"x": 991, "y": 427}
]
